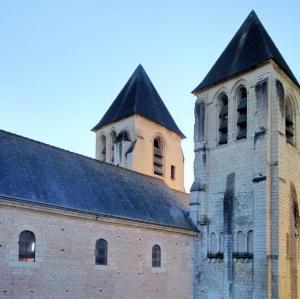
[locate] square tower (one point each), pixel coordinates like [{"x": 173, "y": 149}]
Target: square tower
[
  {"x": 138, "y": 132},
  {"x": 247, "y": 161}
]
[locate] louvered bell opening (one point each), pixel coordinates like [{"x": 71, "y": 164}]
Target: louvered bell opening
[
  {"x": 289, "y": 132},
  {"x": 158, "y": 152},
  {"x": 242, "y": 133},
  {"x": 224, "y": 111},
  {"x": 103, "y": 150},
  {"x": 242, "y": 120},
  {"x": 158, "y": 161},
  {"x": 223, "y": 138},
  {"x": 289, "y": 122},
  {"x": 223, "y": 125},
  {"x": 158, "y": 170},
  {"x": 242, "y": 105}
]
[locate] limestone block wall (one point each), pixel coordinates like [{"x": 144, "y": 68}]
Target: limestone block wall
[
  {"x": 289, "y": 196},
  {"x": 137, "y": 154},
  {"x": 238, "y": 173},
  {"x": 173, "y": 154},
  {"x": 65, "y": 257}
]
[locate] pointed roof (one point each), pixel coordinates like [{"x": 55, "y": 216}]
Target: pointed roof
[
  {"x": 250, "y": 47},
  {"x": 139, "y": 96}
]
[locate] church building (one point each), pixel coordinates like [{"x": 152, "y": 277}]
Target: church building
[
  {"x": 121, "y": 226},
  {"x": 245, "y": 197},
  {"x": 112, "y": 227}
]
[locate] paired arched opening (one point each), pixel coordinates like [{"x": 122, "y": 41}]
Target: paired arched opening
[
  {"x": 27, "y": 246},
  {"x": 158, "y": 156}
]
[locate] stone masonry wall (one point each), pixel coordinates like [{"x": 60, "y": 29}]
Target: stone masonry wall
[
  {"x": 226, "y": 267},
  {"x": 65, "y": 259}
]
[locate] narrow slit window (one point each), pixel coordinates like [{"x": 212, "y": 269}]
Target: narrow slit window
[
  {"x": 156, "y": 256},
  {"x": 27, "y": 246},
  {"x": 103, "y": 148},
  {"x": 173, "y": 172},
  {"x": 240, "y": 242},
  {"x": 223, "y": 119},
  {"x": 101, "y": 252},
  {"x": 113, "y": 139},
  {"x": 158, "y": 156},
  {"x": 289, "y": 123},
  {"x": 242, "y": 113},
  {"x": 250, "y": 241}
]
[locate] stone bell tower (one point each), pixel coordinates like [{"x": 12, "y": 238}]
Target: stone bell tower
[
  {"x": 244, "y": 198},
  {"x": 138, "y": 132}
]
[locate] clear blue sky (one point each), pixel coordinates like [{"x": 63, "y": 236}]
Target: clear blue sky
[{"x": 62, "y": 63}]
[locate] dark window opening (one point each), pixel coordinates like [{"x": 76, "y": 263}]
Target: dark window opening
[
  {"x": 158, "y": 156},
  {"x": 289, "y": 123},
  {"x": 223, "y": 119},
  {"x": 242, "y": 113},
  {"x": 103, "y": 148},
  {"x": 173, "y": 172},
  {"x": 113, "y": 138},
  {"x": 156, "y": 256},
  {"x": 26, "y": 246},
  {"x": 101, "y": 252}
]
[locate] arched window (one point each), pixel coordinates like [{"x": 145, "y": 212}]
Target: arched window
[
  {"x": 103, "y": 148},
  {"x": 101, "y": 252},
  {"x": 158, "y": 156},
  {"x": 240, "y": 242},
  {"x": 241, "y": 113},
  {"x": 26, "y": 246},
  {"x": 113, "y": 139},
  {"x": 289, "y": 122},
  {"x": 250, "y": 241},
  {"x": 223, "y": 119},
  {"x": 156, "y": 256},
  {"x": 221, "y": 246},
  {"x": 213, "y": 243}
]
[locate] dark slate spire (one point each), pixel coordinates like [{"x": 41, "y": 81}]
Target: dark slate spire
[
  {"x": 250, "y": 47},
  {"x": 139, "y": 96}
]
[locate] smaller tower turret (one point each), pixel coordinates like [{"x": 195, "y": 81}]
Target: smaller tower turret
[{"x": 138, "y": 132}]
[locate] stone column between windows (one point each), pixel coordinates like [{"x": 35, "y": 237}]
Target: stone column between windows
[{"x": 261, "y": 188}]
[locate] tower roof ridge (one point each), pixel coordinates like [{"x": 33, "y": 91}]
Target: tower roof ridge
[
  {"x": 139, "y": 96},
  {"x": 251, "y": 46}
]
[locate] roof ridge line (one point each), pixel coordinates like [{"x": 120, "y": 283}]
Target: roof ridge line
[{"x": 83, "y": 156}]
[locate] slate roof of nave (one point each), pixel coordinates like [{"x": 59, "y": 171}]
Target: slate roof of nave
[
  {"x": 35, "y": 172},
  {"x": 139, "y": 96},
  {"x": 251, "y": 46}
]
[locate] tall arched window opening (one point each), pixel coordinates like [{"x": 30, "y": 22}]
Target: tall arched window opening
[
  {"x": 156, "y": 256},
  {"x": 240, "y": 242},
  {"x": 103, "y": 148},
  {"x": 101, "y": 252},
  {"x": 158, "y": 156},
  {"x": 241, "y": 113},
  {"x": 250, "y": 241},
  {"x": 289, "y": 122},
  {"x": 213, "y": 245},
  {"x": 223, "y": 119},
  {"x": 113, "y": 139},
  {"x": 221, "y": 243},
  {"x": 26, "y": 246}
]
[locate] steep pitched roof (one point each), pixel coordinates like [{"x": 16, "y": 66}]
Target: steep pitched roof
[
  {"x": 251, "y": 46},
  {"x": 38, "y": 173},
  {"x": 139, "y": 96}
]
